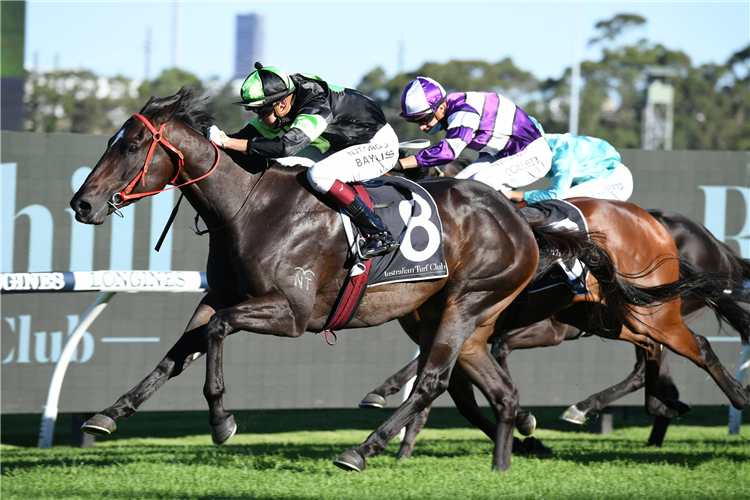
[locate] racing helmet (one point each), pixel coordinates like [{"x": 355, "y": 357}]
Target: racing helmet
[
  {"x": 265, "y": 86},
  {"x": 421, "y": 96}
]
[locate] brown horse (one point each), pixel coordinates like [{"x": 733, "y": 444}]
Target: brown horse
[{"x": 699, "y": 250}]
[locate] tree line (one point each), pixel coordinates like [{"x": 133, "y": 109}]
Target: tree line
[{"x": 711, "y": 101}]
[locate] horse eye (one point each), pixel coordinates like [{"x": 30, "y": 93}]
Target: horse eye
[{"x": 132, "y": 148}]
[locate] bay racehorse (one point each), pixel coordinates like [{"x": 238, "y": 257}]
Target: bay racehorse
[
  {"x": 699, "y": 251},
  {"x": 490, "y": 249}
]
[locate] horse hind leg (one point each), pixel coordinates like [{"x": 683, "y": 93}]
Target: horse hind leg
[
  {"x": 187, "y": 349},
  {"x": 680, "y": 339},
  {"x": 661, "y": 392}
]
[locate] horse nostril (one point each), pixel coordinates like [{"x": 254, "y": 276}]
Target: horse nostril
[{"x": 84, "y": 207}]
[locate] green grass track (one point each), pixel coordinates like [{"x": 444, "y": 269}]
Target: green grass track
[{"x": 288, "y": 454}]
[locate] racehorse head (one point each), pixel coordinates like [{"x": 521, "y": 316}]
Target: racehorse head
[{"x": 141, "y": 159}]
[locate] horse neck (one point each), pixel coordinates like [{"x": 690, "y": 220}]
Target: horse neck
[{"x": 217, "y": 197}]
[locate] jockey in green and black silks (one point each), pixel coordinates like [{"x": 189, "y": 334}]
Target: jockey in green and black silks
[{"x": 339, "y": 133}]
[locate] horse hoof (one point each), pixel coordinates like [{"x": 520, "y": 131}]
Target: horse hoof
[
  {"x": 525, "y": 423},
  {"x": 678, "y": 406},
  {"x": 574, "y": 416},
  {"x": 99, "y": 425},
  {"x": 221, "y": 433},
  {"x": 350, "y": 460},
  {"x": 372, "y": 401}
]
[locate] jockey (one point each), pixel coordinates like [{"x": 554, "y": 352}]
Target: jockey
[
  {"x": 340, "y": 133},
  {"x": 581, "y": 166},
  {"x": 512, "y": 151}
]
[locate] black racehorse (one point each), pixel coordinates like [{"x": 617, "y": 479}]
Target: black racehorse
[
  {"x": 699, "y": 251},
  {"x": 490, "y": 250}
]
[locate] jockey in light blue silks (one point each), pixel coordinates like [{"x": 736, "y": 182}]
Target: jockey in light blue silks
[
  {"x": 582, "y": 166},
  {"x": 513, "y": 149}
]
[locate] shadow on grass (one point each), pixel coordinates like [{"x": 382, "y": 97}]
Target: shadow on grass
[
  {"x": 23, "y": 430},
  {"x": 307, "y": 457}
]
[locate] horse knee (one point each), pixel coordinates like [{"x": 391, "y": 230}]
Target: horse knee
[{"x": 216, "y": 330}]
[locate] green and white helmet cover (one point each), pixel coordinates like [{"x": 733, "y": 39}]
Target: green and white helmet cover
[{"x": 266, "y": 85}]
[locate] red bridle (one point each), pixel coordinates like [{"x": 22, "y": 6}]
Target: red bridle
[{"x": 158, "y": 138}]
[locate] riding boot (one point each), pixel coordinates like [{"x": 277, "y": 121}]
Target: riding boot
[{"x": 379, "y": 240}]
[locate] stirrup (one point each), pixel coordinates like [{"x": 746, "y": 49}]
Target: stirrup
[{"x": 383, "y": 243}]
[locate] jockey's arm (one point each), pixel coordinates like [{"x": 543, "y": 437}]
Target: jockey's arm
[
  {"x": 409, "y": 162},
  {"x": 236, "y": 144},
  {"x": 514, "y": 195}
]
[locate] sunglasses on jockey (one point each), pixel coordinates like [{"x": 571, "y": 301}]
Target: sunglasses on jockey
[
  {"x": 262, "y": 111},
  {"x": 421, "y": 120}
]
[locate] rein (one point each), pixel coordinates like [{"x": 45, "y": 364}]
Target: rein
[{"x": 158, "y": 138}]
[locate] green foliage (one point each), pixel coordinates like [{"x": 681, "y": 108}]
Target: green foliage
[
  {"x": 271, "y": 457},
  {"x": 77, "y": 101},
  {"x": 612, "y": 28},
  {"x": 711, "y": 106}
]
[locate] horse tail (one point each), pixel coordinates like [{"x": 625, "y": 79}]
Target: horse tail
[
  {"x": 619, "y": 296},
  {"x": 725, "y": 294},
  {"x": 739, "y": 267}
]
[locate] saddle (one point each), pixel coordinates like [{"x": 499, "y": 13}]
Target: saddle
[
  {"x": 560, "y": 213},
  {"x": 411, "y": 215}
]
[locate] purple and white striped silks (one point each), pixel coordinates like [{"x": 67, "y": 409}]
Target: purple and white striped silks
[{"x": 485, "y": 122}]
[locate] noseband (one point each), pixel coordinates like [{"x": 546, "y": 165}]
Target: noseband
[{"x": 158, "y": 138}]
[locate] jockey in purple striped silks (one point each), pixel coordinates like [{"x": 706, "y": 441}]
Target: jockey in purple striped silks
[{"x": 512, "y": 151}]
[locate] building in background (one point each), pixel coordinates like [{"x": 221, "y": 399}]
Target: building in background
[
  {"x": 13, "y": 18},
  {"x": 249, "y": 44},
  {"x": 658, "y": 113}
]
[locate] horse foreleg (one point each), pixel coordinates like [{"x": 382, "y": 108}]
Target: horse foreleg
[
  {"x": 393, "y": 384},
  {"x": 500, "y": 391},
  {"x": 187, "y": 349},
  {"x": 269, "y": 314},
  {"x": 412, "y": 431},
  {"x": 636, "y": 380},
  {"x": 546, "y": 333},
  {"x": 461, "y": 391}
]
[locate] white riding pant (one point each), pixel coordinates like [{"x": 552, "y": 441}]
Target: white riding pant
[
  {"x": 616, "y": 186},
  {"x": 355, "y": 163},
  {"x": 511, "y": 172}
]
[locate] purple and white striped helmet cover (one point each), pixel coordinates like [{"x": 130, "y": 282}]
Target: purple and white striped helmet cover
[{"x": 421, "y": 96}]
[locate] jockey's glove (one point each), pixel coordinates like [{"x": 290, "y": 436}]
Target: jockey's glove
[{"x": 217, "y": 136}]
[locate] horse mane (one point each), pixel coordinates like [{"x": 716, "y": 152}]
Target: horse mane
[{"x": 194, "y": 111}]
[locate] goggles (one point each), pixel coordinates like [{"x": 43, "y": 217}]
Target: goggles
[
  {"x": 421, "y": 120},
  {"x": 262, "y": 111}
]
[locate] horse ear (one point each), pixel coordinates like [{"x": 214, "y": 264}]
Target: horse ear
[{"x": 171, "y": 106}]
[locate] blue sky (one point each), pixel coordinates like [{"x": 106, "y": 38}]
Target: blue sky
[{"x": 342, "y": 41}]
